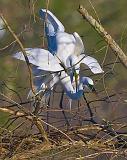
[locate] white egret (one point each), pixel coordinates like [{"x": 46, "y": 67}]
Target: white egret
[
  {"x": 64, "y": 58},
  {"x": 68, "y": 48},
  {"x": 36, "y": 56}
]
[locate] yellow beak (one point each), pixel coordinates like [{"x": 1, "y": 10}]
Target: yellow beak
[{"x": 76, "y": 79}]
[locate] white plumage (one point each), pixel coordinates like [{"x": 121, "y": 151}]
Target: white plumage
[{"x": 66, "y": 53}]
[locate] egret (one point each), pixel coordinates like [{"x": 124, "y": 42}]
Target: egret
[
  {"x": 68, "y": 48},
  {"x": 66, "y": 51},
  {"x": 44, "y": 61}
]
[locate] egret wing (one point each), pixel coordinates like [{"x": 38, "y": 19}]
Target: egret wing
[
  {"x": 79, "y": 46},
  {"x": 52, "y": 26},
  {"x": 43, "y": 81},
  {"x": 91, "y": 62},
  {"x": 41, "y": 58},
  {"x": 52, "y": 23},
  {"x": 39, "y": 77}
]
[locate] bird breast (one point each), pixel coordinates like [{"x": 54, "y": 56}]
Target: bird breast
[{"x": 65, "y": 45}]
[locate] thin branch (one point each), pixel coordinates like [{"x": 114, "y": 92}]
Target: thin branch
[
  {"x": 23, "y": 51},
  {"x": 37, "y": 121},
  {"x": 113, "y": 45},
  {"x": 90, "y": 111},
  {"x": 29, "y": 117}
]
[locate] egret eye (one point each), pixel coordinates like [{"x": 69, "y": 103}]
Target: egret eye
[{"x": 91, "y": 87}]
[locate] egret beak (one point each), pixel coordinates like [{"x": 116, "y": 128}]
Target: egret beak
[{"x": 76, "y": 80}]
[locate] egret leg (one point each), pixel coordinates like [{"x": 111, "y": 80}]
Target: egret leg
[
  {"x": 47, "y": 117},
  {"x": 90, "y": 111},
  {"x": 61, "y": 106},
  {"x": 70, "y": 103},
  {"x": 80, "y": 121}
]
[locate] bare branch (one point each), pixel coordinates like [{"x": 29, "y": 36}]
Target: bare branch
[
  {"x": 37, "y": 121},
  {"x": 23, "y": 51},
  {"x": 113, "y": 45}
]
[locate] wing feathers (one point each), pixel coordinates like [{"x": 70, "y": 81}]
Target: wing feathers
[{"x": 41, "y": 58}]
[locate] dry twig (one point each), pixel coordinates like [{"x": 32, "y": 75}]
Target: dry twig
[{"x": 23, "y": 51}]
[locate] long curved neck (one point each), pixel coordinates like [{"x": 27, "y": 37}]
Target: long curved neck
[
  {"x": 75, "y": 95},
  {"x": 70, "y": 91}
]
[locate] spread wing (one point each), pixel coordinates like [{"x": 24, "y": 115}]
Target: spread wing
[
  {"x": 79, "y": 46},
  {"x": 41, "y": 58},
  {"x": 92, "y": 63},
  {"x": 52, "y": 26}
]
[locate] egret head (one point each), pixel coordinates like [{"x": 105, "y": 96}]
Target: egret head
[{"x": 88, "y": 83}]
